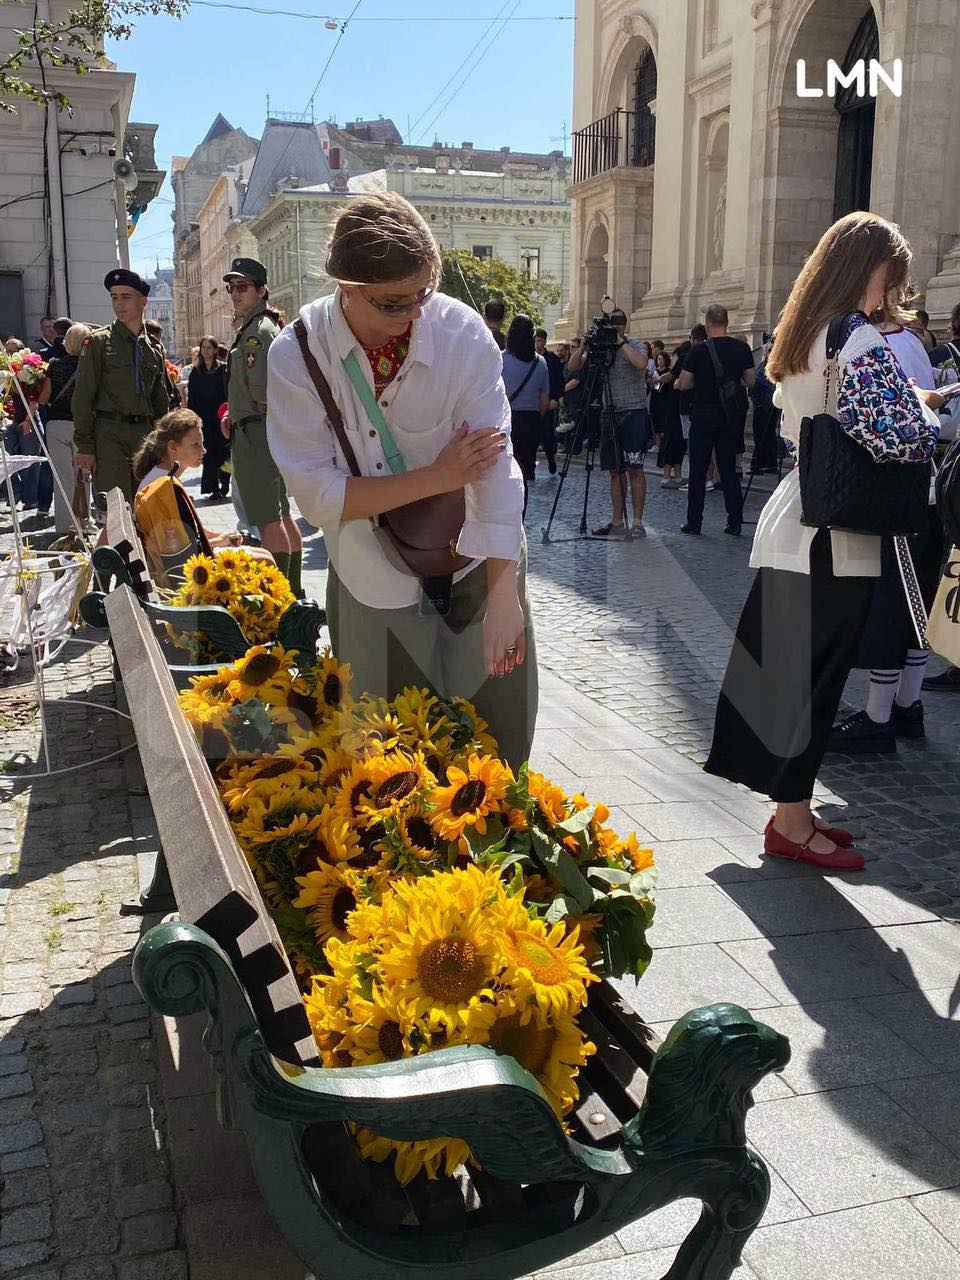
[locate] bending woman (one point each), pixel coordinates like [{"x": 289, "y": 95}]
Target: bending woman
[
  {"x": 802, "y": 623},
  {"x": 435, "y": 373}
]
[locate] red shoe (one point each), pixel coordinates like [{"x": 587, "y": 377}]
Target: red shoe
[
  {"x": 839, "y": 859},
  {"x": 837, "y": 834}
]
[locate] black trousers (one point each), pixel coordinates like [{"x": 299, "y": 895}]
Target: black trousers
[
  {"x": 525, "y": 438},
  {"x": 709, "y": 435},
  {"x": 548, "y": 434},
  {"x": 765, "y": 419},
  {"x": 796, "y": 642}
]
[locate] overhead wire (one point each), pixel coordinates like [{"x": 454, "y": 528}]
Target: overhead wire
[
  {"x": 325, "y": 17},
  {"x": 492, "y": 41},
  {"x": 439, "y": 94}
]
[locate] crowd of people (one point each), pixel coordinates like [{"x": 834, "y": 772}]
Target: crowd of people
[{"x": 407, "y": 427}]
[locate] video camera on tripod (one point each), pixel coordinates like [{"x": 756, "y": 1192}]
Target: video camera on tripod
[{"x": 597, "y": 409}]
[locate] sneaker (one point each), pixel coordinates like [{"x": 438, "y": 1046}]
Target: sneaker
[
  {"x": 945, "y": 682},
  {"x": 859, "y": 735},
  {"x": 714, "y": 486},
  {"x": 908, "y": 721},
  {"x": 669, "y": 484},
  {"x": 637, "y": 530},
  {"x": 610, "y": 530}
]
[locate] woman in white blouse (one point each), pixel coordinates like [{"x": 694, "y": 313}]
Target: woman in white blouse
[
  {"x": 436, "y": 374},
  {"x": 801, "y": 625}
]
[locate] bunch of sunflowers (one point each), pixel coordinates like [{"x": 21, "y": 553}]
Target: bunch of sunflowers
[
  {"x": 427, "y": 895},
  {"x": 255, "y": 592},
  {"x": 450, "y": 959}
]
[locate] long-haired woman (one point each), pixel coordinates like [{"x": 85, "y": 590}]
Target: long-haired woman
[
  {"x": 526, "y": 379},
  {"x": 396, "y": 353},
  {"x": 206, "y": 392},
  {"x": 802, "y": 623}
]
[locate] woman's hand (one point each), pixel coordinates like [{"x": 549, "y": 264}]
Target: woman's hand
[
  {"x": 504, "y": 639},
  {"x": 932, "y": 398},
  {"x": 86, "y": 462},
  {"x": 468, "y": 457}
]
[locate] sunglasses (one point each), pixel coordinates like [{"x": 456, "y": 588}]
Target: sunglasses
[
  {"x": 239, "y": 286},
  {"x": 400, "y": 308}
]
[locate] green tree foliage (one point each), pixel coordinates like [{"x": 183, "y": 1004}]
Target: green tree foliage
[
  {"x": 75, "y": 42},
  {"x": 477, "y": 280}
]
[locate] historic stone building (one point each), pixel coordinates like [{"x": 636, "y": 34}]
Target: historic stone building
[
  {"x": 63, "y": 213},
  {"x": 192, "y": 178},
  {"x": 217, "y": 213},
  {"x": 160, "y": 304},
  {"x": 700, "y": 174}
]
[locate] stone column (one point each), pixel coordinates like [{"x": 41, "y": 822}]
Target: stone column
[{"x": 761, "y": 163}]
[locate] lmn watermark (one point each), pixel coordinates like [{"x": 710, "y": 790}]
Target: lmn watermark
[{"x": 863, "y": 77}]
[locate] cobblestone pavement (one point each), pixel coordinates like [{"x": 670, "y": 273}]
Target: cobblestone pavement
[{"x": 85, "y": 1189}]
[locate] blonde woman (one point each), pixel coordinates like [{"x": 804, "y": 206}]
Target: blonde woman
[
  {"x": 801, "y": 626},
  {"x": 397, "y": 354}
]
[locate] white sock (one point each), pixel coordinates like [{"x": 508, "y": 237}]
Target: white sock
[
  {"x": 911, "y": 677},
  {"x": 883, "y": 686}
]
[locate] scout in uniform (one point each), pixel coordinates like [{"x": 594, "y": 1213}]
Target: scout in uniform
[
  {"x": 255, "y": 474},
  {"x": 120, "y": 389}
]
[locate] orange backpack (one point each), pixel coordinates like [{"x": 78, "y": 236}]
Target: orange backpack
[{"x": 170, "y": 529}]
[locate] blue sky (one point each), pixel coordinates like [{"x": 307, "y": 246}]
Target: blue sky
[{"x": 229, "y": 59}]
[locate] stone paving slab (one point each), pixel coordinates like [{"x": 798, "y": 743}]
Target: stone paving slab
[{"x": 849, "y": 1147}]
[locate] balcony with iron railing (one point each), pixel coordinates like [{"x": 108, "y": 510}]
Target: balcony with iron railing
[{"x": 612, "y": 142}]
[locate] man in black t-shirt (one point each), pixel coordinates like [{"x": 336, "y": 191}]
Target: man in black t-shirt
[{"x": 716, "y": 418}]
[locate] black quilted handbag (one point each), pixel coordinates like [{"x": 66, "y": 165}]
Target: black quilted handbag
[{"x": 842, "y": 487}]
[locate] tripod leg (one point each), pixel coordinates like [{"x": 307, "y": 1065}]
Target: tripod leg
[{"x": 579, "y": 432}]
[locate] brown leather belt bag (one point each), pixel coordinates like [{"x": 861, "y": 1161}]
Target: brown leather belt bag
[{"x": 419, "y": 538}]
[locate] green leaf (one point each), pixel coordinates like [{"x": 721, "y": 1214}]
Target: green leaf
[
  {"x": 610, "y": 875},
  {"x": 561, "y": 907},
  {"x": 578, "y": 822},
  {"x": 558, "y": 863}
]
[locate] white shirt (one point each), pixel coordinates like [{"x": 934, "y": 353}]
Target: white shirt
[
  {"x": 781, "y": 541},
  {"x": 452, "y": 374},
  {"x": 156, "y": 473}
]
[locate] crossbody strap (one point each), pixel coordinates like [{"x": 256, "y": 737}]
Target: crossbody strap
[
  {"x": 66, "y": 387},
  {"x": 379, "y": 423},
  {"x": 718, "y": 370},
  {"x": 529, "y": 374},
  {"x": 334, "y": 415}
]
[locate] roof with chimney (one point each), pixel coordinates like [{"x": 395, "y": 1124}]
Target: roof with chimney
[
  {"x": 379, "y": 130},
  {"x": 288, "y": 149},
  {"x": 360, "y": 154}
]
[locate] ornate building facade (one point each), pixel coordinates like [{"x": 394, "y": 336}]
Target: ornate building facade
[{"x": 701, "y": 174}]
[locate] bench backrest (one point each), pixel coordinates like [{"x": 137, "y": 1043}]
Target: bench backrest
[
  {"x": 212, "y": 882},
  {"x": 122, "y": 535}
]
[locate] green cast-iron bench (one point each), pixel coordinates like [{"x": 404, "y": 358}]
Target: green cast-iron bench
[
  {"x": 657, "y": 1122},
  {"x": 122, "y": 560}
]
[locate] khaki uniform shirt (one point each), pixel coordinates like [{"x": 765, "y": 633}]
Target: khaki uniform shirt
[
  {"x": 247, "y": 368},
  {"x": 118, "y": 373}
]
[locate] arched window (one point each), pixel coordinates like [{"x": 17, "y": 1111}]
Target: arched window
[
  {"x": 857, "y": 119},
  {"x": 645, "y": 125}
]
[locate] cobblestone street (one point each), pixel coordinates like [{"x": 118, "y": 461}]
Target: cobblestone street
[{"x": 114, "y": 1167}]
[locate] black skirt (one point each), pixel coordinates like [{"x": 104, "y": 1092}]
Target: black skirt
[
  {"x": 795, "y": 645},
  {"x": 889, "y": 631}
]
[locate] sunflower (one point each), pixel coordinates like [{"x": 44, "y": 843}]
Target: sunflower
[
  {"x": 280, "y": 816},
  {"x": 353, "y": 789},
  {"x": 553, "y": 1054},
  {"x": 264, "y": 778},
  {"x": 382, "y": 1031},
  {"x": 629, "y": 850},
  {"x": 228, "y": 560},
  {"x": 198, "y": 571},
  {"x": 221, "y": 585},
  {"x": 331, "y": 681},
  {"x": 445, "y": 958},
  {"x": 415, "y": 838},
  {"x": 546, "y": 969},
  {"x": 265, "y": 674},
  {"x": 420, "y": 711},
  {"x": 472, "y": 794},
  {"x": 328, "y": 894},
  {"x": 396, "y": 781},
  {"x": 548, "y": 798},
  {"x": 431, "y": 1156}
]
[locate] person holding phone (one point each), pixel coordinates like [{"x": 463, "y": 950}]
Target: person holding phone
[{"x": 416, "y": 381}]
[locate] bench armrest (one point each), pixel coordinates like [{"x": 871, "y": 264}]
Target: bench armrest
[{"x": 469, "y": 1092}]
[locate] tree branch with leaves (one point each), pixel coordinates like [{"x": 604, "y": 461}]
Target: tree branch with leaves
[
  {"x": 74, "y": 42},
  {"x": 477, "y": 280}
]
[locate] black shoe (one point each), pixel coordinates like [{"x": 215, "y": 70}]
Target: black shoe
[
  {"x": 610, "y": 530},
  {"x": 552, "y": 466},
  {"x": 859, "y": 735},
  {"x": 733, "y": 530},
  {"x": 947, "y": 681},
  {"x": 689, "y": 528},
  {"x": 908, "y": 721}
]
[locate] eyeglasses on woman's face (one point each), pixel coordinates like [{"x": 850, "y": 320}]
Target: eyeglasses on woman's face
[{"x": 400, "y": 308}]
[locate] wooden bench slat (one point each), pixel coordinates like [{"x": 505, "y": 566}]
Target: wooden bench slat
[{"x": 214, "y": 887}]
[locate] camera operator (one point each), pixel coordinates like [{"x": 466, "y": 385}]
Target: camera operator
[{"x": 626, "y": 430}]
